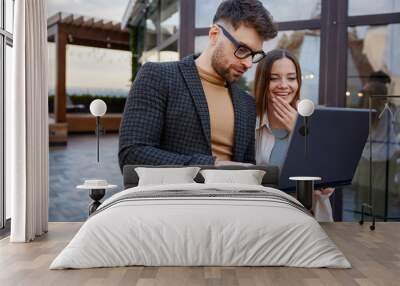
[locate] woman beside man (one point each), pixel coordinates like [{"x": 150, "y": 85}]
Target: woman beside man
[{"x": 277, "y": 88}]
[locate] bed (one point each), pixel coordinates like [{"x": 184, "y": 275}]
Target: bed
[{"x": 200, "y": 224}]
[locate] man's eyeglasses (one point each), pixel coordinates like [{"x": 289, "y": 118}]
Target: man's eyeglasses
[{"x": 243, "y": 51}]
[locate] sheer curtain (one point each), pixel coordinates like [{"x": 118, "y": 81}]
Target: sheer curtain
[{"x": 27, "y": 123}]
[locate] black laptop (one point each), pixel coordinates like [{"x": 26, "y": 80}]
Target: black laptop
[{"x": 336, "y": 139}]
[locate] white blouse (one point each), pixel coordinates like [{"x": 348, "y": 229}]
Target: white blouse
[{"x": 264, "y": 142}]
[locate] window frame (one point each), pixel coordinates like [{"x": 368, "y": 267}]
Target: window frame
[
  {"x": 160, "y": 42},
  {"x": 333, "y": 25}
]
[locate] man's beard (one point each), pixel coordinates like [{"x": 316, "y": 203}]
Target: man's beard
[{"x": 217, "y": 63}]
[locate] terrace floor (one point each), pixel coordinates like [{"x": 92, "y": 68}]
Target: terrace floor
[{"x": 71, "y": 165}]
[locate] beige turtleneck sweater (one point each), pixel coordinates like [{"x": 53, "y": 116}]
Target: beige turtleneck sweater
[{"x": 222, "y": 118}]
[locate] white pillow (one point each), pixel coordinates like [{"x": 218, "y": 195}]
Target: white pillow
[
  {"x": 165, "y": 176},
  {"x": 248, "y": 177}
]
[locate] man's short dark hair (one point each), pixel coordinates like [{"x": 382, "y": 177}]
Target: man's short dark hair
[{"x": 248, "y": 12}]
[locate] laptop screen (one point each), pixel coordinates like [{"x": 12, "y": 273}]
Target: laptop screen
[{"x": 336, "y": 138}]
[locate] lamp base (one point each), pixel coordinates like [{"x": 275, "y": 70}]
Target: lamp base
[
  {"x": 96, "y": 195},
  {"x": 305, "y": 190},
  {"x": 304, "y": 193}
]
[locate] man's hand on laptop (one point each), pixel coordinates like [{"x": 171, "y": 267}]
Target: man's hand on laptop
[{"x": 231, "y": 163}]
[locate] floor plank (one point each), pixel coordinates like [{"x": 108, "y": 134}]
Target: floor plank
[{"x": 375, "y": 257}]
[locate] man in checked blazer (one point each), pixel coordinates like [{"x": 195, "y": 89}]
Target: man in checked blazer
[{"x": 192, "y": 112}]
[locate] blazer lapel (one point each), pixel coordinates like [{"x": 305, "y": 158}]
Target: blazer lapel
[
  {"x": 189, "y": 72},
  {"x": 240, "y": 121}
]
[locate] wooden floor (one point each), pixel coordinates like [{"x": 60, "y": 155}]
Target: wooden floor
[{"x": 375, "y": 256}]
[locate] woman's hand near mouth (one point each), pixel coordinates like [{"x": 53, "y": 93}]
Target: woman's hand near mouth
[{"x": 284, "y": 112}]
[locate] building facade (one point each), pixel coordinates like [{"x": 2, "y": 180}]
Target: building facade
[
  {"x": 338, "y": 43},
  {"x": 342, "y": 45}
]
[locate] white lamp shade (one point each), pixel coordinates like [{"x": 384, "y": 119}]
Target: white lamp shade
[
  {"x": 305, "y": 107},
  {"x": 98, "y": 107}
]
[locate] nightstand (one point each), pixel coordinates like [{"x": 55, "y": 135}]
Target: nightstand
[
  {"x": 97, "y": 189},
  {"x": 305, "y": 189}
]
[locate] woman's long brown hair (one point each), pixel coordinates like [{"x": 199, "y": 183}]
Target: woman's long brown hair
[{"x": 263, "y": 77}]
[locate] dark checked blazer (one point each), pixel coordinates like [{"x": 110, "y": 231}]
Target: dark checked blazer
[{"x": 166, "y": 119}]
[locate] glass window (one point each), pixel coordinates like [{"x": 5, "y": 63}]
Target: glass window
[
  {"x": 140, "y": 36},
  {"x": 170, "y": 53},
  {"x": 293, "y": 10},
  {"x": 385, "y": 166},
  {"x": 281, "y": 10},
  {"x": 205, "y": 10},
  {"x": 152, "y": 21},
  {"x": 360, "y": 7},
  {"x": 150, "y": 56},
  {"x": 373, "y": 68},
  {"x": 9, "y": 15},
  {"x": 169, "y": 18},
  {"x": 200, "y": 43},
  {"x": 373, "y": 55}
]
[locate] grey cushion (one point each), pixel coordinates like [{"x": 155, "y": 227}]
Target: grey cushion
[{"x": 270, "y": 179}]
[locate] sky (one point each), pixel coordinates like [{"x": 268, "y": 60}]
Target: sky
[
  {"x": 105, "y": 9},
  {"x": 89, "y": 69}
]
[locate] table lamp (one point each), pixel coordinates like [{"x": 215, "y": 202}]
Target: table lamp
[
  {"x": 98, "y": 108},
  {"x": 305, "y": 108},
  {"x": 97, "y": 187},
  {"x": 305, "y": 184}
]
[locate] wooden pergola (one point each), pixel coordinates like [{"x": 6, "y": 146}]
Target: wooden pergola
[{"x": 78, "y": 30}]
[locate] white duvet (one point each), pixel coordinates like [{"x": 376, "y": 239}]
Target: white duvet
[{"x": 200, "y": 231}]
